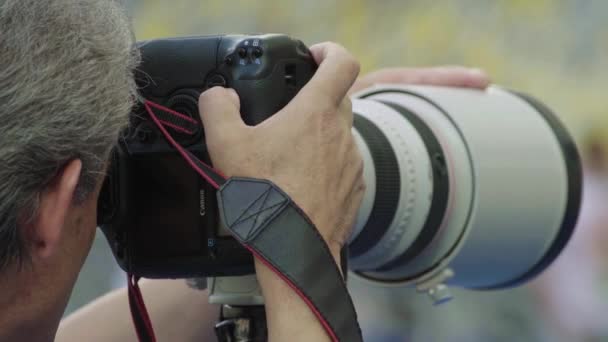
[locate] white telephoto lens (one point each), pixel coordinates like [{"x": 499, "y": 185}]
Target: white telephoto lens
[{"x": 483, "y": 183}]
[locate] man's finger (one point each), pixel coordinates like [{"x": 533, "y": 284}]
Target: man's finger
[
  {"x": 336, "y": 74},
  {"x": 449, "y": 76},
  {"x": 220, "y": 111}
]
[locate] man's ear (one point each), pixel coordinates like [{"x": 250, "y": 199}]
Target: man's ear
[{"x": 55, "y": 202}]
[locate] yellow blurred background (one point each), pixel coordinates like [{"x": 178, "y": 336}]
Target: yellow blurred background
[{"x": 555, "y": 50}]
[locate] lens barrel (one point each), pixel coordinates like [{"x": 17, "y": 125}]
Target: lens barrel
[{"x": 484, "y": 183}]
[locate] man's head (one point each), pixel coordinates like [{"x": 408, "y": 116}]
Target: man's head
[{"x": 66, "y": 88}]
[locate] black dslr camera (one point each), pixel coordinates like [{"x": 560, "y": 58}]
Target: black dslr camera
[{"x": 158, "y": 215}]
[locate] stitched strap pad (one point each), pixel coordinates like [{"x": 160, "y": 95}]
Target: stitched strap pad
[{"x": 267, "y": 222}]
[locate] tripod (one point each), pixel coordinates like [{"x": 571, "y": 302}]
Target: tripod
[
  {"x": 242, "y": 315},
  {"x": 242, "y": 324}
]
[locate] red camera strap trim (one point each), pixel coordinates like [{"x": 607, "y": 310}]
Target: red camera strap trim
[
  {"x": 173, "y": 119},
  {"x": 139, "y": 313},
  {"x": 211, "y": 175},
  {"x": 338, "y": 326}
]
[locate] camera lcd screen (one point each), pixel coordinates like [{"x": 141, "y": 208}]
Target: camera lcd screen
[{"x": 167, "y": 196}]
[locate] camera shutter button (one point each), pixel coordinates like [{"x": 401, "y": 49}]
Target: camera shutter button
[{"x": 216, "y": 80}]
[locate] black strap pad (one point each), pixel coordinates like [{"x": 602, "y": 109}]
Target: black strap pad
[{"x": 267, "y": 222}]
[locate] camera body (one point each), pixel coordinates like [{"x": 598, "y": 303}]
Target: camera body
[
  {"x": 158, "y": 215},
  {"x": 457, "y": 179}
]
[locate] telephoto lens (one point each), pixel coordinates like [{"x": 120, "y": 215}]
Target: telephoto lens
[{"x": 478, "y": 189}]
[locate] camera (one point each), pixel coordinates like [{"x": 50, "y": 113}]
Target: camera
[
  {"x": 474, "y": 188},
  {"x": 159, "y": 217}
]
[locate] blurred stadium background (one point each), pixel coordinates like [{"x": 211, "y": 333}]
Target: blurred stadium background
[{"x": 554, "y": 49}]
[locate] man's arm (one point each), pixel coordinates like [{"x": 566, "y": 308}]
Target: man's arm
[
  {"x": 447, "y": 76},
  {"x": 178, "y": 313},
  {"x": 308, "y": 150}
]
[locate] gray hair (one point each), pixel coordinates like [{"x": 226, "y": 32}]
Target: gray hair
[{"x": 66, "y": 89}]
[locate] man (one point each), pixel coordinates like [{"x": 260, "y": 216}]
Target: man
[{"x": 67, "y": 89}]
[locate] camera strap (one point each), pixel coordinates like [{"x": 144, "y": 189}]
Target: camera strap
[{"x": 267, "y": 222}]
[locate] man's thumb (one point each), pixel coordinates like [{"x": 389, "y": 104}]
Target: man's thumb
[{"x": 220, "y": 110}]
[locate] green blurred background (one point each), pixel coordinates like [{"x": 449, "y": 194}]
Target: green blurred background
[{"x": 553, "y": 49}]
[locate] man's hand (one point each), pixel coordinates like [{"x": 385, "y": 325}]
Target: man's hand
[
  {"x": 307, "y": 148},
  {"x": 449, "y": 76}
]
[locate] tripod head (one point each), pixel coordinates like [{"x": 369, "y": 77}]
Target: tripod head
[{"x": 242, "y": 315}]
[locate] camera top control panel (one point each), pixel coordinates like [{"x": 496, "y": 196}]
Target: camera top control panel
[{"x": 265, "y": 70}]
